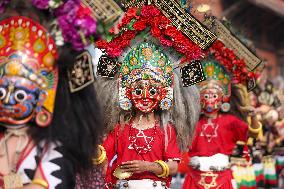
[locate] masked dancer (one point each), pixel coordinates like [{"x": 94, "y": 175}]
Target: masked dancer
[
  {"x": 155, "y": 110},
  {"x": 217, "y": 131},
  {"x": 47, "y": 134}
]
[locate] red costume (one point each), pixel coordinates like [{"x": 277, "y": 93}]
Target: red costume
[
  {"x": 218, "y": 137},
  {"x": 148, "y": 145}
]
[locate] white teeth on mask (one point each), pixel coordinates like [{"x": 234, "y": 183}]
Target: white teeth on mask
[{"x": 8, "y": 110}]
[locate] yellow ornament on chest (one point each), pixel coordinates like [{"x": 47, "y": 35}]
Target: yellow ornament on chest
[{"x": 12, "y": 181}]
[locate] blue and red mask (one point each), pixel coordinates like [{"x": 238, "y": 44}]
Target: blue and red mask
[
  {"x": 211, "y": 100},
  {"x": 28, "y": 73}
]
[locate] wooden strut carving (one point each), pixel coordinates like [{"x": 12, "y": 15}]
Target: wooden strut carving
[
  {"x": 184, "y": 21},
  {"x": 132, "y": 3},
  {"x": 106, "y": 10},
  {"x": 233, "y": 43}
]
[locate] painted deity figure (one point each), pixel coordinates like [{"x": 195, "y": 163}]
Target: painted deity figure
[{"x": 44, "y": 137}]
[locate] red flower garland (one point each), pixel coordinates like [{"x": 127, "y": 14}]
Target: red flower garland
[
  {"x": 136, "y": 20},
  {"x": 234, "y": 65}
]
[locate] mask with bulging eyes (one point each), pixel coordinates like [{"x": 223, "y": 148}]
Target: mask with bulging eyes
[
  {"x": 146, "y": 95},
  {"x": 19, "y": 98},
  {"x": 211, "y": 100},
  {"x": 28, "y": 73}
]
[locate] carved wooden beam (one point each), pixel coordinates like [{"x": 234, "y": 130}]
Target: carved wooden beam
[
  {"x": 182, "y": 20},
  {"x": 232, "y": 42},
  {"x": 104, "y": 10}
]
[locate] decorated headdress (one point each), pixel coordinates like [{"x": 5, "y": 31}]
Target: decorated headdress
[
  {"x": 72, "y": 21},
  {"x": 146, "y": 62},
  {"x": 185, "y": 37},
  {"x": 28, "y": 51},
  {"x": 216, "y": 74}
]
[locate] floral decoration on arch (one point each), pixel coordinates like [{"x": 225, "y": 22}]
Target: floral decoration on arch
[
  {"x": 235, "y": 66},
  {"x": 136, "y": 20}
]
